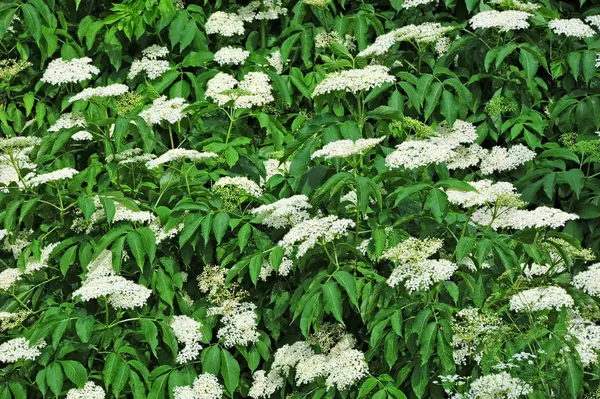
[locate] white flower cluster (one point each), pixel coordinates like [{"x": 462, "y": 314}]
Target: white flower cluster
[
  {"x": 239, "y": 323},
  {"x": 34, "y": 180},
  {"x": 354, "y": 80},
  {"x": 274, "y": 167},
  {"x": 179, "y": 154},
  {"x": 8, "y": 277},
  {"x": 428, "y": 32},
  {"x": 413, "y": 266},
  {"x": 471, "y": 330},
  {"x": 225, "y": 24},
  {"x": 500, "y": 159},
  {"x": 541, "y": 298},
  {"x": 346, "y": 148},
  {"x": 10, "y": 144},
  {"x": 276, "y": 61},
  {"x": 517, "y": 5},
  {"x": 122, "y": 213},
  {"x": 161, "y": 232},
  {"x": 284, "y": 268},
  {"x": 231, "y": 56},
  {"x": 10, "y": 320},
  {"x": 252, "y": 91},
  {"x": 33, "y": 264},
  {"x": 589, "y": 280},
  {"x": 187, "y": 332},
  {"x": 66, "y": 121},
  {"x": 314, "y": 231},
  {"x": 285, "y": 212},
  {"x": 413, "y": 250},
  {"x": 150, "y": 63},
  {"x": 20, "y": 348},
  {"x": 496, "y": 386},
  {"x": 262, "y": 10},
  {"x": 342, "y": 367},
  {"x": 593, "y": 20},
  {"x": 571, "y": 27},
  {"x": 76, "y": 70},
  {"x": 102, "y": 281},
  {"x": 89, "y": 391},
  {"x": 162, "y": 109},
  {"x": 413, "y": 154},
  {"x": 82, "y": 135},
  {"x": 487, "y": 192},
  {"x": 519, "y": 219},
  {"x": 415, "y": 3},
  {"x": 113, "y": 90},
  {"x": 587, "y": 335},
  {"x": 504, "y": 21},
  {"x": 205, "y": 386},
  {"x": 238, "y": 183},
  {"x": 536, "y": 269}
]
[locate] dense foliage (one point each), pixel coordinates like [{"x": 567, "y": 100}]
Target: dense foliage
[{"x": 299, "y": 199}]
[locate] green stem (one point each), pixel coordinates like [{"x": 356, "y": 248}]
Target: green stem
[{"x": 231, "y": 122}]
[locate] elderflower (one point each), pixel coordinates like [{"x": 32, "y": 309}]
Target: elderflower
[
  {"x": 82, "y": 135},
  {"x": 20, "y": 348},
  {"x": 57, "y": 175},
  {"x": 497, "y": 386},
  {"x": 187, "y": 332},
  {"x": 89, "y": 391},
  {"x": 76, "y": 70},
  {"x": 252, "y": 91},
  {"x": 284, "y": 268},
  {"x": 413, "y": 250},
  {"x": 11, "y": 320},
  {"x": 105, "y": 91},
  {"x": 428, "y": 32},
  {"x": 519, "y": 219},
  {"x": 153, "y": 68},
  {"x": 264, "y": 385},
  {"x": 504, "y": 21},
  {"x": 536, "y": 269},
  {"x": 102, "y": 281},
  {"x": 587, "y": 335},
  {"x": 317, "y": 3},
  {"x": 314, "y": 231},
  {"x": 346, "y": 148},
  {"x": 571, "y": 27},
  {"x": 33, "y": 264},
  {"x": 501, "y": 159},
  {"x": 239, "y": 323},
  {"x": 162, "y": 109},
  {"x": 354, "y": 80},
  {"x": 593, "y": 20},
  {"x": 274, "y": 167},
  {"x": 346, "y": 369},
  {"x": 161, "y": 233},
  {"x": 225, "y": 24},
  {"x": 9, "y": 68},
  {"x": 541, "y": 298},
  {"x": 589, "y": 281},
  {"x": 262, "y": 10},
  {"x": 415, "y": 3},
  {"x": 67, "y": 121},
  {"x": 276, "y": 61},
  {"x": 205, "y": 386},
  {"x": 285, "y": 212},
  {"x": 486, "y": 192},
  {"x": 8, "y": 277},
  {"x": 231, "y": 56},
  {"x": 155, "y": 51},
  {"x": 421, "y": 275},
  {"x": 472, "y": 330},
  {"x": 179, "y": 154},
  {"x": 236, "y": 183}
]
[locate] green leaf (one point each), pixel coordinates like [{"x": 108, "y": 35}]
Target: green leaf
[
  {"x": 346, "y": 280},
  {"x": 32, "y": 21},
  {"x": 437, "y": 202},
  {"x": 367, "y": 386},
  {"x": 150, "y": 333},
  {"x": 54, "y": 377},
  {"x": 75, "y": 372},
  {"x": 427, "y": 340},
  {"x": 574, "y": 375},
  {"x": 84, "y": 326},
  {"x": 230, "y": 370},
  {"x": 255, "y": 266},
  {"x": 220, "y": 225},
  {"x": 164, "y": 285},
  {"x": 136, "y": 245},
  {"x": 333, "y": 299},
  {"x": 530, "y": 64},
  {"x": 211, "y": 360}
]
